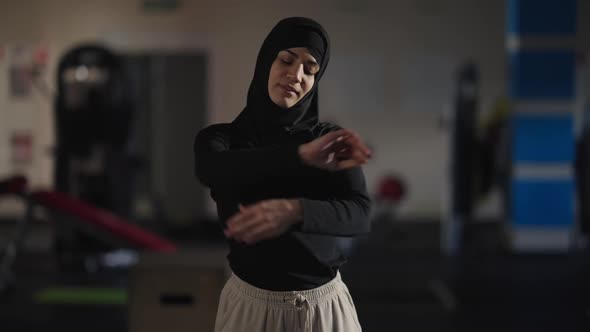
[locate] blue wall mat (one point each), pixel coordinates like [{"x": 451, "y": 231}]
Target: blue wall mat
[
  {"x": 543, "y": 203},
  {"x": 542, "y": 138},
  {"x": 542, "y": 17},
  {"x": 542, "y": 74}
]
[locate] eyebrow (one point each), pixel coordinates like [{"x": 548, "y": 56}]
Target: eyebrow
[{"x": 309, "y": 62}]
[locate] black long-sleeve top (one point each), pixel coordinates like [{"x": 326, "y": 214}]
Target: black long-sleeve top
[{"x": 334, "y": 204}]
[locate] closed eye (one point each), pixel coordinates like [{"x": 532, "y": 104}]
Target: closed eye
[
  {"x": 311, "y": 66},
  {"x": 312, "y": 70}
]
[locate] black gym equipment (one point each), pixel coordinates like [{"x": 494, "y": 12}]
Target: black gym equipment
[
  {"x": 93, "y": 112},
  {"x": 463, "y": 158},
  {"x": 93, "y": 118}
]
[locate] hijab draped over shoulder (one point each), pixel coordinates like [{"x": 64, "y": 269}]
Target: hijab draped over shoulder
[{"x": 262, "y": 122}]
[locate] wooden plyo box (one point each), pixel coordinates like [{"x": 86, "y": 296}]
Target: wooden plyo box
[{"x": 176, "y": 292}]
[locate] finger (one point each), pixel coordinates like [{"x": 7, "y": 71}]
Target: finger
[
  {"x": 346, "y": 164},
  {"x": 237, "y": 218},
  {"x": 357, "y": 143},
  {"x": 340, "y": 132},
  {"x": 288, "y": 205},
  {"x": 352, "y": 143},
  {"x": 343, "y": 154},
  {"x": 246, "y": 226},
  {"x": 333, "y": 142},
  {"x": 266, "y": 228},
  {"x": 333, "y": 136},
  {"x": 338, "y": 145},
  {"x": 263, "y": 231},
  {"x": 244, "y": 223},
  {"x": 245, "y": 210},
  {"x": 351, "y": 153},
  {"x": 261, "y": 206},
  {"x": 240, "y": 220},
  {"x": 330, "y": 157},
  {"x": 272, "y": 228},
  {"x": 267, "y": 204},
  {"x": 346, "y": 151},
  {"x": 359, "y": 156}
]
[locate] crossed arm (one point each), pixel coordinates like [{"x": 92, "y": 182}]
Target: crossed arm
[{"x": 341, "y": 151}]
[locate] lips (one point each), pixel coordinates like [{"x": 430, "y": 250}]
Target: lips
[{"x": 289, "y": 89}]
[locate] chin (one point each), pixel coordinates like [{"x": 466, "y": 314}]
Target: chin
[
  {"x": 284, "y": 103},
  {"x": 289, "y": 104}
]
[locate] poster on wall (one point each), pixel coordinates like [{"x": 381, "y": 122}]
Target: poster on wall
[
  {"x": 20, "y": 72},
  {"x": 20, "y": 81},
  {"x": 22, "y": 148},
  {"x": 27, "y": 63}
]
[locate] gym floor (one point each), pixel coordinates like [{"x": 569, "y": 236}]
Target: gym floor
[{"x": 396, "y": 275}]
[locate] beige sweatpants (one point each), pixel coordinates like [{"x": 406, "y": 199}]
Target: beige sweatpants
[{"x": 243, "y": 307}]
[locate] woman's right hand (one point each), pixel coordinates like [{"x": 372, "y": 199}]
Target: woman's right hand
[{"x": 335, "y": 151}]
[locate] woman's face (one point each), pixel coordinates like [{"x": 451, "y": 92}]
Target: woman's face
[{"x": 292, "y": 76}]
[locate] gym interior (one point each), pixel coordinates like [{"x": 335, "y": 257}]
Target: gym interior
[{"x": 477, "y": 113}]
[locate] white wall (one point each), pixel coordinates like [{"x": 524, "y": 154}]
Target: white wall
[{"x": 412, "y": 41}]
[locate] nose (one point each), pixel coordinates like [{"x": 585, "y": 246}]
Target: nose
[{"x": 295, "y": 73}]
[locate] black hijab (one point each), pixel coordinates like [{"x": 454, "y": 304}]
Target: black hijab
[{"x": 264, "y": 122}]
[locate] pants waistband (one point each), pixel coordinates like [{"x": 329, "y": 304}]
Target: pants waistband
[{"x": 288, "y": 298}]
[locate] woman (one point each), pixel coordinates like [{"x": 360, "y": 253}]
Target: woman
[{"x": 286, "y": 187}]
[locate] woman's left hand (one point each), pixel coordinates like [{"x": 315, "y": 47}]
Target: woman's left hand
[{"x": 263, "y": 220}]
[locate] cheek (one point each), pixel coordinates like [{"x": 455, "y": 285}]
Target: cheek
[
  {"x": 272, "y": 80},
  {"x": 273, "y": 73},
  {"x": 308, "y": 84}
]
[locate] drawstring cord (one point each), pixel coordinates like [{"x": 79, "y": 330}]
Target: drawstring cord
[{"x": 301, "y": 303}]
